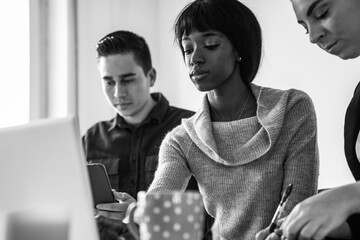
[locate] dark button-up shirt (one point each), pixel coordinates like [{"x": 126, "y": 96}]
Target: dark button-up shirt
[{"x": 130, "y": 153}]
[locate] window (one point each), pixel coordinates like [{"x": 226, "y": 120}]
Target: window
[{"x": 14, "y": 62}]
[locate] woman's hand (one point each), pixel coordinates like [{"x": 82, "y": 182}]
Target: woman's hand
[
  {"x": 266, "y": 235},
  {"x": 118, "y": 209},
  {"x": 324, "y": 214}
]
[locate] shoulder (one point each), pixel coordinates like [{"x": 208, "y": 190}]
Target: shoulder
[
  {"x": 288, "y": 98},
  {"x": 300, "y": 110},
  {"x": 300, "y": 100},
  {"x": 290, "y": 107},
  {"x": 168, "y": 110},
  {"x": 176, "y": 134},
  {"x": 174, "y": 115},
  {"x": 299, "y": 97},
  {"x": 291, "y": 94},
  {"x": 177, "y": 138},
  {"x": 357, "y": 89},
  {"x": 98, "y": 128},
  {"x": 183, "y": 113}
]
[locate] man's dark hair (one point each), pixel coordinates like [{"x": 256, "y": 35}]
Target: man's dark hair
[{"x": 122, "y": 42}]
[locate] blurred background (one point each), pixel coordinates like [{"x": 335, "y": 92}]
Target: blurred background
[{"x": 48, "y": 64}]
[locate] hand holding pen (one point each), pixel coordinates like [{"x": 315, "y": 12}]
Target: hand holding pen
[{"x": 280, "y": 208}]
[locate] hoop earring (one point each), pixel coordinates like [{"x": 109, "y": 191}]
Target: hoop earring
[{"x": 238, "y": 59}]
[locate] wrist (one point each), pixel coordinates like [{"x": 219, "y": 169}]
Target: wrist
[{"x": 353, "y": 199}]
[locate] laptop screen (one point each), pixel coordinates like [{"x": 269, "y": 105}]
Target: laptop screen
[{"x": 43, "y": 165}]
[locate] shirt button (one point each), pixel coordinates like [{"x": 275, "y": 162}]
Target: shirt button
[{"x": 132, "y": 183}]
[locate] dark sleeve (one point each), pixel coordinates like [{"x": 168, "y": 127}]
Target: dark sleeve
[
  {"x": 354, "y": 224},
  {"x": 351, "y": 131},
  {"x": 85, "y": 145},
  {"x": 83, "y": 141}
]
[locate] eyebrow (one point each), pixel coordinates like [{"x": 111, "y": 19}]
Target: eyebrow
[
  {"x": 125, "y": 75},
  {"x": 210, "y": 34},
  {"x": 205, "y": 34},
  {"x": 312, "y": 7}
]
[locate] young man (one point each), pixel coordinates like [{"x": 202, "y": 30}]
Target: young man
[{"x": 128, "y": 144}]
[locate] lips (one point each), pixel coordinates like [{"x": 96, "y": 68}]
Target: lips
[
  {"x": 198, "y": 74},
  {"x": 122, "y": 104},
  {"x": 329, "y": 47}
]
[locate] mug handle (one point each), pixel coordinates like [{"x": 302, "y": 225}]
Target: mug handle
[{"x": 133, "y": 229}]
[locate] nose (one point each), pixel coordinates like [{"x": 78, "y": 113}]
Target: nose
[
  {"x": 119, "y": 91},
  {"x": 316, "y": 33},
  {"x": 196, "y": 57}
]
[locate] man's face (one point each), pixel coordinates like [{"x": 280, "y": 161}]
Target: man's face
[{"x": 125, "y": 85}]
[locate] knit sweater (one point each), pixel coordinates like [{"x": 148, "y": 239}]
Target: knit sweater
[{"x": 242, "y": 190}]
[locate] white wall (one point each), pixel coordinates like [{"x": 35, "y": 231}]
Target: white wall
[
  {"x": 14, "y": 101},
  {"x": 152, "y": 20},
  {"x": 290, "y": 61},
  {"x": 53, "y": 85}
]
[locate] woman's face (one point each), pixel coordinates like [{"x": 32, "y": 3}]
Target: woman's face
[
  {"x": 334, "y": 25},
  {"x": 210, "y": 58}
]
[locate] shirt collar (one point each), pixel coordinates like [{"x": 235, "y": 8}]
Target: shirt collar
[{"x": 157, "y": 113}]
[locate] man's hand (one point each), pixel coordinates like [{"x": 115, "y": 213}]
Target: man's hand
[{"x": 115, "y": 210}]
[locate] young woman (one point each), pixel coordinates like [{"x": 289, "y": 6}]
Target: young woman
[
  {"x": 246, "y": 143},
  {"x": 334, "y": 25}
]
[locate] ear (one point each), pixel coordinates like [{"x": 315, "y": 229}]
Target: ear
[
  {"x": 238, "y": 57},
  {"x": 152, "y": 76}
]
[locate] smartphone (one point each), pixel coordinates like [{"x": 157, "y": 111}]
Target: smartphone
[{"x": 100, "y": 184}]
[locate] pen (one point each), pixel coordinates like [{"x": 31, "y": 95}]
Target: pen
[{"x": 280, "y": 207}]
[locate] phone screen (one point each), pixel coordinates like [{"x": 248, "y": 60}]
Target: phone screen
[{"x": 100, "y": 184}]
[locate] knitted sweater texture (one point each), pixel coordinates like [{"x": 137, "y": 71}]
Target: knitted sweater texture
[{"x": 242, "y": 191}]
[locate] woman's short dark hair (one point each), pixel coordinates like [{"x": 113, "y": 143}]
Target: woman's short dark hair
[
  {"x": 121, "y": 42},
  {"x": 233, "y": 19}
]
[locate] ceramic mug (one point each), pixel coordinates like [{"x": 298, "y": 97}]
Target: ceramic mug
[{"x": 167, "y": 215}]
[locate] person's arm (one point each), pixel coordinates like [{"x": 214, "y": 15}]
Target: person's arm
[
  {"x": 172, "y": 172},
  {"x": 301, "y": 166},
  {"x": 324, "y": 215}
]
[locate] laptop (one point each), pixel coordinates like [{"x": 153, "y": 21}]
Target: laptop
[{"x": 43, "y": 165}]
